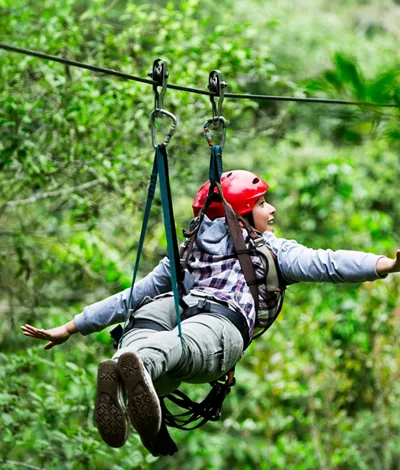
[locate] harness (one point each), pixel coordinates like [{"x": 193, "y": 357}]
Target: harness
[
  {"x": 274, "y": 284},
  {"x": 197, "y": 414}
]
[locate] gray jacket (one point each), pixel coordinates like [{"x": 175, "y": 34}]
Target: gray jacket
[{"x": 296, "y": 262}]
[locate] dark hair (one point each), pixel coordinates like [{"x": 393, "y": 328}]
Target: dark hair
[{"x": 250, "y": 219}]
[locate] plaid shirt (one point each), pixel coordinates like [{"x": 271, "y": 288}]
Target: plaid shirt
[{"x": 220, "y": 278}]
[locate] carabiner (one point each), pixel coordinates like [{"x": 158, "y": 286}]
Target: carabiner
[
  {"x": 217, "y": 120},
  {"x": 156, "y": 113}
]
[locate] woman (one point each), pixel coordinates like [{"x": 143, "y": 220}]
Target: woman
[{"x": 151, "y": 360}]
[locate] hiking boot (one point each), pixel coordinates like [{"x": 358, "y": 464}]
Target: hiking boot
[
  {"x": 143, "y": 404},
  {"x": 109, "y": 410}
]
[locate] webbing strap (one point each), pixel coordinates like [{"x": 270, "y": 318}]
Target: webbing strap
[
  {"x": 241, "y": 249},
  {"x": 176, "y": 270},
  {"x": 215, "y": 170},
  {"x": 160, "y": 166}
]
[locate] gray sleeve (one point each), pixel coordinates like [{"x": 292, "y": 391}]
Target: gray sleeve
[
  {"x": 299, "y": 263},
  {"x": 113, "y": 309}
]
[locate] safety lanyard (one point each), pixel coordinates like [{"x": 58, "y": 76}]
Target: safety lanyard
[
  {"x": 215, "y": 170},
  {"x": 177, "y": 273},
  {"x": 160, "y": 167}
]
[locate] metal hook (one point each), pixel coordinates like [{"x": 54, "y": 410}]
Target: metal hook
[
  {"x": 217, "y": 120},
  {"x": 216, "y": 84},
  {"x": 156, "y": 113},
  {"x": 160, "y": 75}
]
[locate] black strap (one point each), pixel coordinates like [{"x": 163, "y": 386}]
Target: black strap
[
  {"x": 144, "y": 323},
  {"x": 197, "y": 414},
  {"x": 205, "y": 306},
  {"x": 117, "y": 332},
  {"x": 214, "y": 174}
]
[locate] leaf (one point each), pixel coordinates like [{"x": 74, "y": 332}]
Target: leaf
[
  {"x": 72, "y": 366},
  {"x": 380, "y": 90},
  {"x": 349, "y": 73}
]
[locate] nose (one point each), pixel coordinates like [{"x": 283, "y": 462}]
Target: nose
[{"x": 271, "y": 209}]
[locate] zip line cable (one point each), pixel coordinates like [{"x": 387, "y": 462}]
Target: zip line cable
[{"x": 126, "y": 76}]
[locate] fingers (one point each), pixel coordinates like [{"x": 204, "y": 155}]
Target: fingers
[
  {"x": 27, "y": 330},
  {"x": 38, "y": 333},
  {"x": 33, "y": 332}
]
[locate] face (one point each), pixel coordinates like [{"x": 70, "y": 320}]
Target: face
[{"x": 263, "y": 215}]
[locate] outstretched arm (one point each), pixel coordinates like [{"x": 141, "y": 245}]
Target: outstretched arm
[
  {"x": 387, "y": 265},
  {"x": 114, "y": 309},
  {"x": 54, "y": 336},
  {"x": 299, "y": 263},
  {"x": 107, "y": 312}
]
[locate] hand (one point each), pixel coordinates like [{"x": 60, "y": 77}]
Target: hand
[
  {"x": 54, "y": 336},
  {"x": 388, "y": 265}
]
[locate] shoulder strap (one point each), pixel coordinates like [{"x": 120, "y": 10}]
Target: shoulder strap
[
  {"x": 241, "y": 250},
  {"x": 273, "y": 280}
]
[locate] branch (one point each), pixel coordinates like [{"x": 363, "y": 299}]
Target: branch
[
  {"x": 60, "y": 192},
  {"x": 22, "y": 464}
]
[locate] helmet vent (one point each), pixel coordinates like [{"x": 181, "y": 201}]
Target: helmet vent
[
  {"x": 256, "y": 180},
  {"x": 229, "y": 175}
]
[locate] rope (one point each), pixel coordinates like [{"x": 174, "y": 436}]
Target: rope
[{"x": 197, "y": 91}]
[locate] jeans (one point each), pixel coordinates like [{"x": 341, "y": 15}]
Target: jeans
[{"x": 212, "y": 345}]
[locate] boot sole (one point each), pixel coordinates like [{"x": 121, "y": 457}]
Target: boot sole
[
  {"x": 110, "y": 415},
  {"x": 143, "y": 404}
]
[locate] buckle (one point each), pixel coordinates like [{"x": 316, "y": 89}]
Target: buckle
[{"x": 257, "y": 241}]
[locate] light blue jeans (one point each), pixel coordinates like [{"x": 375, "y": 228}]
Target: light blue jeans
[{"x": 212, "y": 345}]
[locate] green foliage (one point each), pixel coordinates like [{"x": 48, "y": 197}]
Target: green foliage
[{"x": 320, "y": 389}]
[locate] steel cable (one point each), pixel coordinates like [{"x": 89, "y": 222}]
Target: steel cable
[{"x": 127, "y": 76}]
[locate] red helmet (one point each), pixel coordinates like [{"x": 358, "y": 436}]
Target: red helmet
[{"x": 241, "y": 189}]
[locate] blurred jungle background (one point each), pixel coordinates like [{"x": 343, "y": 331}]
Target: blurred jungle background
[{"x": 321, "y": 389}]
